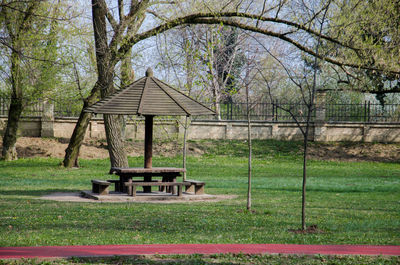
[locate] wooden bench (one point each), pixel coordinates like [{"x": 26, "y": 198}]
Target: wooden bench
[
  {"x": 119, "y": 187},
  {"x": 132, "y": 191},
  {"x": 194, "y": 186},
  {"x": 100, "y": 186},
  {"x": 125, "y": 174}
]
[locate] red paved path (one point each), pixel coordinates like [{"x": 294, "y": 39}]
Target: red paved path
[{"x": 111, "y": 250}]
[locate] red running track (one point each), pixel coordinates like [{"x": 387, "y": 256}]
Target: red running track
[{"x": 115, "y": 250}]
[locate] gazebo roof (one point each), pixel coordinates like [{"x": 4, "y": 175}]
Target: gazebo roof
[{"x": 149, "y": 96}]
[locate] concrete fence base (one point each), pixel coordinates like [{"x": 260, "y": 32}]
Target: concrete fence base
[{"x": 320, "y": 131}]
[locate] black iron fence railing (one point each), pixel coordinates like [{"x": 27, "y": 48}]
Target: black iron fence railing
[
  {"x": 365, "y": 112},
  {"x": 283, "y": 111},
  {"x": 34, "y": 109},
  {"x": 67, "y": 108},
  {"x": 264, "y": 111}
]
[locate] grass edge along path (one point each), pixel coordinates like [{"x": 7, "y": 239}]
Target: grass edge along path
[{"x": 187, "y": 249}]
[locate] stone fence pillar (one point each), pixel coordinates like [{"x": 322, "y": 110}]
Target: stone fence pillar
[
  {"x": 47, "y": 120},
  {"x": 320, "y": 117},
  {"x": 320, "y": 106}
]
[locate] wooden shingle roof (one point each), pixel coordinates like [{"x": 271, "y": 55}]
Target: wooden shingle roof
[{"x": 149, "y": 96}]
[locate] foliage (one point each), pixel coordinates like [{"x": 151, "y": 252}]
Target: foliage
[
  {"x": 372, "y": 28},
  {"x": 40, "y": 45}
]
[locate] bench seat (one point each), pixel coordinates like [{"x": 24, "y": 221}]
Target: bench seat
[
  {"x": 133, "y": 185},
  {"x": 100, "y": 186},
  {"x": 118, "y": 185},
  {"x": 195, "y": 186}
]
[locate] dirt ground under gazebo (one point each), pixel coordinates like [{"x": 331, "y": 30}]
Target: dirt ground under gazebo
[{"x": 154, "y": 197}]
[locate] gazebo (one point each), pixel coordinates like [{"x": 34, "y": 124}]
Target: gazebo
[{"x": 148, "y": 97}]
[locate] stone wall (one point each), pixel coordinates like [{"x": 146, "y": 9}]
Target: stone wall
[{"x": 320, "y": 131}]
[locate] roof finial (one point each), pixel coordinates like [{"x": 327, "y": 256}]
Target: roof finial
[{"x": 149, "y": 72}]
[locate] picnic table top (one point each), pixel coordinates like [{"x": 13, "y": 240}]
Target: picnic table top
[{"x": 136, "y": 170}]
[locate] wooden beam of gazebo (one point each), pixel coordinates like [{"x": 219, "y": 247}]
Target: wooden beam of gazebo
[{"x": 149, "y": 97}]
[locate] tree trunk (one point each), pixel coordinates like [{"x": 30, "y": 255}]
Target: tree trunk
[
  {"x": 217, "y": 105},
  {"x": 112, "y": 123},
  {"x": 75, "y": 142},
  {"x": 105, "y": 70},
  {"x": 9, "y": 151},
  {"x": 250, "y": 150},
  {"x": 104, "y": 84},
  {"x": 127, "y": 73},
  {"x": 185, "y": 146},
  {"x": 303, "y": 190},
  {"x": 72, "y": 151},
  {"x": 115, "y": 141},
  {"x": 127, "y": 77}
]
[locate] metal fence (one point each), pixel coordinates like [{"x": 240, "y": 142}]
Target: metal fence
[
  {"x": 34, "y": 109},
  {"x": 67, "y": 110},
  {"x": 264, "y": 111},
  {"x": 366, "y": 112},
  {"x": 62, "y": 109},
  {"x": 276, "y": 111}
]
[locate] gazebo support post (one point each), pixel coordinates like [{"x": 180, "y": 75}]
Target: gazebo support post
[{"x": 148, "y": 148}]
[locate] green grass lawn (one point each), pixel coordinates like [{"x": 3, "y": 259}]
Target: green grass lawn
[{"x": 351, "y": 202}]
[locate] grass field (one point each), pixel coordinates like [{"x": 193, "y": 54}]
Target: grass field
[{"x": 351, "y": 202}]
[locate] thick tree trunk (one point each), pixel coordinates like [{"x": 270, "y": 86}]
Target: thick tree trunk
[
  {"x": 9, "y": 151},
  {"x": 115, "y": 141},
  {"x": 127, "y": 77},
  {"x": 72, "y": 151},
  {"x": 104, "y": 84},
  {"x": 127, "y": 73},
  {"x": 112, "y": 123},
  {"x": 105, "y": 69},
  {"x": 75, "y": 142}
]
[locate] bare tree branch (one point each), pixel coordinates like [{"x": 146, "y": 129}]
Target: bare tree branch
[
  {"x": 212, "y": 18},
  {"x": 109, "y": 16},
  {"x": 155, "y": 14},
  {"x": 120, "y": 9}
]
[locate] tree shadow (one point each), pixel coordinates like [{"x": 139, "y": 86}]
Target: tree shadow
[
  {"x": 153, "y": 259},
  {"x": 27, "y": 192}
]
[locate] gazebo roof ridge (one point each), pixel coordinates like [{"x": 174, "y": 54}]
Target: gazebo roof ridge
[
  {"x": 149, "y": 96},
  {"x": 183, "y": 94},
  {"x": 171, "y": 96},
  {"x": 140, "y": 105},
  {"x": 110, "y": 97}
]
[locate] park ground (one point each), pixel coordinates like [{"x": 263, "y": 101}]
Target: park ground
[
  {"x": 30, "y": 147},
  {"x": 352, "y": 199}
]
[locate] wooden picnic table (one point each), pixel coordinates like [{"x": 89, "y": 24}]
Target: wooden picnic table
[{"x": 168, "y": 174}]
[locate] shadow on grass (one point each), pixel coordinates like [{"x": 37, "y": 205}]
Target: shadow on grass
[
  {"x": 191, "y": 259},
  {"x": 32, "y": 163},
  {"x": 239, "y": 148},
  {"x": 34, "y": 192},
  {"x": 331, "y": 190}
]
